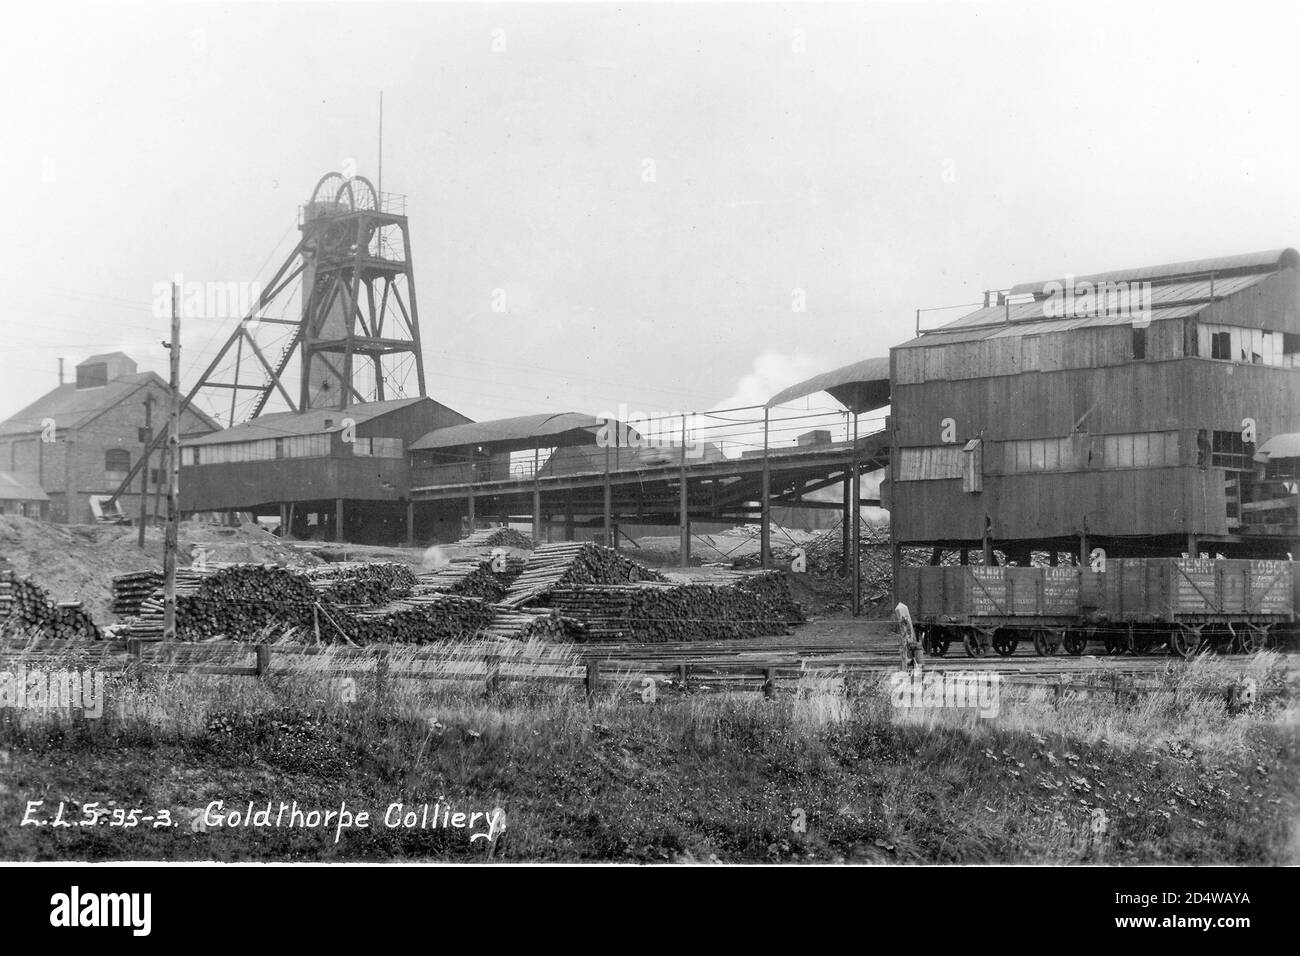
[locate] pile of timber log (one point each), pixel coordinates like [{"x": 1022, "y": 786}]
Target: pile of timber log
[
  {"x": 232, "y": 601},
  {"x": 419, "y": 619},
  {"x": 361, "y": 582},
  {"x": 659, "y": 612},
  {"x": 131, "y": 590},
  {"x": 497, "y": 538},
  {"x": 25, "y": 607},
  {"x": 572, "y": 563},
  {"x": 547, "y": 624},
  {"x": 468, "y": 577},
  {"x": 147, "y": 623}
]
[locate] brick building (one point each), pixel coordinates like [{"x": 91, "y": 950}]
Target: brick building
[
  {"x": 78, "y": 441},
  {"x": 21, "y": 496}
]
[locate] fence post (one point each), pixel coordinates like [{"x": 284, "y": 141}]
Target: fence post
[
  {"x": 135, "y": 650},
  {"x": 681, "y": 675},
  {"x": 381, "y": 673},
  {"x": 263, "y": 660},
  {"x": 769, "y": 682},
  {"x": 592, "y": 681},
  {"x": 1059, "y": 692},
  {"x": 492, "y": 671}
]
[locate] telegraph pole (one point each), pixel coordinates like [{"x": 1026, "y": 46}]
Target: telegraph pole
[
  {"x": 146, "y": 436},
  {"x": 173, "y": 471}
]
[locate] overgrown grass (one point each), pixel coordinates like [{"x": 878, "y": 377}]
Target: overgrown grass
[{"x": 830, "y": 772}]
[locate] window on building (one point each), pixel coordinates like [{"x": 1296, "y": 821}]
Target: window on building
[
  {"x": 1231, "y": 343},
  {"x": 1227, "y": 450},
  {"x": 1221, "y": 345},
  {"x": 117, "y": 463},
  {"x": 1291, "y": 350},
  {"x": 304, "y": 446},
  {"x": 1139, "y": 343},
  {"x": 1036, "y": 454},
  {"x": 1135, "y": 450},
  {"x": 1079, "y": 451}
]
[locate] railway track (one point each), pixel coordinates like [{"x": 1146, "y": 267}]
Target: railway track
[
  {"x": 840, "y": 648},
  {"x": 860, "y": 647}
]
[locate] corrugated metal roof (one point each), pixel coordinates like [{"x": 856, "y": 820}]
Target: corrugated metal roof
[
  {"x": 311, "y": 422},
  {"x": 864, "y": 384},
  {"x": 1016, "y": 329},
  {"x": 522, "y": 429},
  {"x": 575, "y": 459},
  {"x": 1268, "y": 261},
  {"x": 1172, "y": 300},
  {"x": 13, "y": 488}
]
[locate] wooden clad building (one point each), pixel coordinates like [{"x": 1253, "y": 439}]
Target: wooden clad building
[
  {"x": 1122, "y": 410},
  {"x": 330, "y": 474}
]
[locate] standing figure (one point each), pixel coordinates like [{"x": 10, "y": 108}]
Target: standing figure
[{"x": 910, "y": 647}]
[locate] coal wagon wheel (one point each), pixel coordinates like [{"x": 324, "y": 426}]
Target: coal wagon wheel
[
  {"x": 1116, "y": 643},
  {"x": 935, "y": 641},
  {"x": 973, "y": 641},
  {"x": 1185, "y": 640},
  {"x": 1005, "y": 641},
  {"x": 1075, "y": 641},
  {"x": 1252, "y": 638},
  {"x": 1046, "y": 642},
  {"x": 1218, "y": 640}
]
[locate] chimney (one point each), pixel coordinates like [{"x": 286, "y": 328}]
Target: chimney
[{"x": 60, "y": 371}]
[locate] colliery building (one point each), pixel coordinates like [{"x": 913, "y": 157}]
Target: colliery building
[
  {"x": 71, "y": 449},
  {"x": 330, "y": 474},
  {"x": 1160, "y": 426}
]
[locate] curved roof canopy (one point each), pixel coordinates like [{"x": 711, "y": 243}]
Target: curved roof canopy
[
  {"x": 526, "y": 431},
  {"x": 1286, "y": 445},
  {"x": 1267, "y": 261},
  {"x": 860, "y": 387}
]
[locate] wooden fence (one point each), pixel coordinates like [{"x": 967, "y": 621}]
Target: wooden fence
[{"x": 764, "y": 672}]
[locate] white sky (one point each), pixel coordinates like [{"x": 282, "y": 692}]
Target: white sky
[{"x": 914, "y": 155}]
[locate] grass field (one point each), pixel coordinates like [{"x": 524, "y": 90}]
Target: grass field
[{"x": 830, "y": 773}]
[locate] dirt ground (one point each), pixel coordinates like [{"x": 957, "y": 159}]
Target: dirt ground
[{"x": 78, "y": 562}]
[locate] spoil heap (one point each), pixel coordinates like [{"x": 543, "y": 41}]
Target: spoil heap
[{"x": 824, "y": 559}]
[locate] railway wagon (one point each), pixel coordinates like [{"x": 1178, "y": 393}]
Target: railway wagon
[{"x": 1130, "y": 605}]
